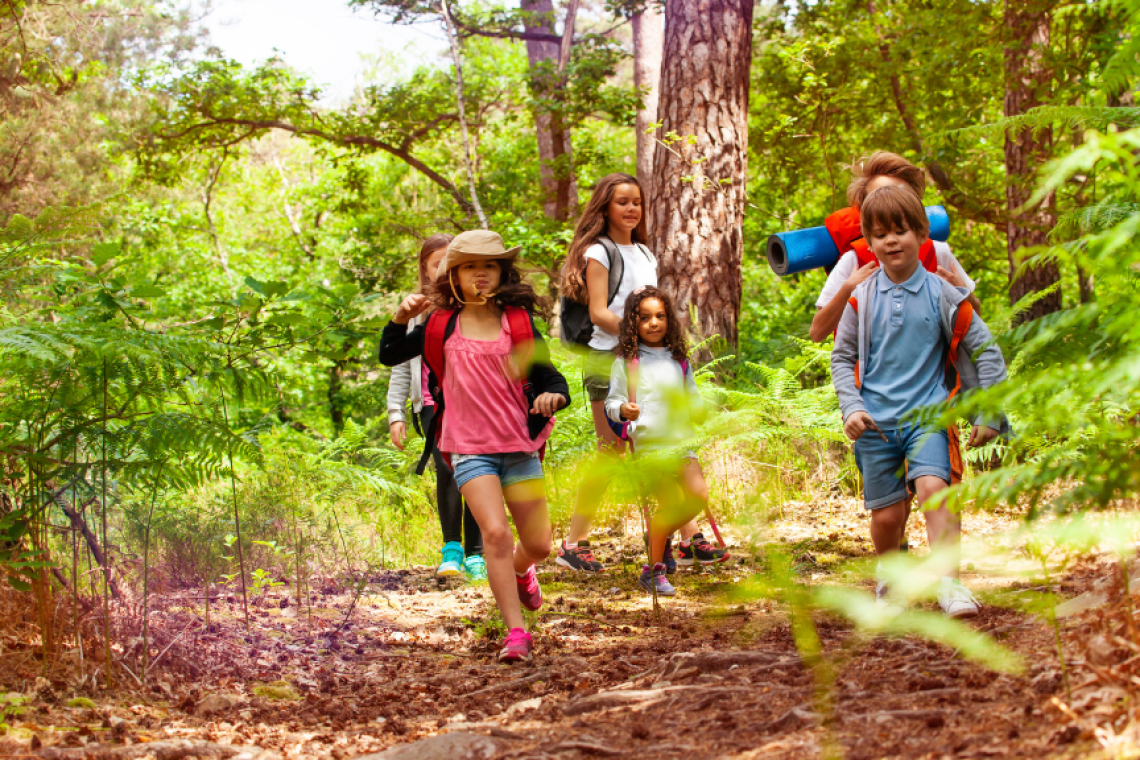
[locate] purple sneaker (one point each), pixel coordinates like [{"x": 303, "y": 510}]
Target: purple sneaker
[
  {"x": 516, "y": 647},
  {"x": 529, "y": 592},
  {"x": 655, "y": 577}
]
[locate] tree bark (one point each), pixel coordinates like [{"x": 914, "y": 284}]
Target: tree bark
[
  {"x": 554, "y": 156},
  {"x": 696, "y": 226},
  {"x": 1027, "y": 79},
  {"x": 648, "y": 41}
]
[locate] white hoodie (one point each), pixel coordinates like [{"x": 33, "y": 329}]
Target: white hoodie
[{"x": 665, "y": 394}]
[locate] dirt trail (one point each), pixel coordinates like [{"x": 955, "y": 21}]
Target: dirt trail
[{"x": 415, "y": 661}]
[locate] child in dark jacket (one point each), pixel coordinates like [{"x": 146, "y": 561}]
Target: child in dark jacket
[
  {"x": 489, "y": 370},
  {"x": 889, "y": 361}
]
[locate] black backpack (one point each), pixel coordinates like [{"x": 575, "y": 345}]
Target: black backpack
[{"x": 577, "y": 329}]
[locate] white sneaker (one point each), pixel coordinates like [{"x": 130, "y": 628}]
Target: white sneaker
[
  {"x": 888, "y": 602},
  {"x": 956, "y": 600}
]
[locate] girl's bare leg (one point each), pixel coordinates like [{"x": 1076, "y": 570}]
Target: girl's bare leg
[
  {"x": 484, "y": 496},
  {"x": 677, "y": 505},
  {"x": 527, "y": 504},
  {"x": 593, "y": 488}
]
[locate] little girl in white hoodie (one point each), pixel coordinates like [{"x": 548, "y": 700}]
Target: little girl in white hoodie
[{"x": 653, "y": 391}]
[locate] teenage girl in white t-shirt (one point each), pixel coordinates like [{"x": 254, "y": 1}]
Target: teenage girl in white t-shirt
[
  {"x": 614, "y": 211},
  {"x": 878, "y": 170}
]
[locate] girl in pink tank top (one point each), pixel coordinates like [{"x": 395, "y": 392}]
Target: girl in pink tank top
[{"x": 490, "y": 371}]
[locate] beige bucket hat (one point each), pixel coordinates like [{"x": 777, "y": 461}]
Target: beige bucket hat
[{"x": 475, "y": 245}]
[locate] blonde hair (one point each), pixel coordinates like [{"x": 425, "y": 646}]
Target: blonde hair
[{"x": 883, "y": 164}]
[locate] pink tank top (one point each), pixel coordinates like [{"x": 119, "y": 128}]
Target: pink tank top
[{"x": 486, "y": 412}]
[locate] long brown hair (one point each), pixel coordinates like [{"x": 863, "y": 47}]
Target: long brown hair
[
  {"x": 628, "y": 339},
  {"x": 513, "y": 291},
  {"x": 430, "y": 246},
  {"x": 592, "y": 225}
]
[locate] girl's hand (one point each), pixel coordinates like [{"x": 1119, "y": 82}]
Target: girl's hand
[
  {"x": 980, "y": 435},
  {"x": 950, "y": 277},
  {"x": 630, "y": 411},
  {"x": 398, "y": 433},
  {"x": 859, "y": 275},
  {"x": 411, "y": 307},
  {"x": 548, "y": 403}
]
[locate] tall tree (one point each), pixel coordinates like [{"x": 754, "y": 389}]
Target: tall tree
[
  {"x": 648, "y": 41},
  {"x": 554, "y": 151},
  {"x": 696, "y": 223},
  {"x": 1027, "y": 81}
]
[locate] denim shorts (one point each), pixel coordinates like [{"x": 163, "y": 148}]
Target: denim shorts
[
  {"x": 909, "y": 452},
  {"x": 509, "y": 468}
]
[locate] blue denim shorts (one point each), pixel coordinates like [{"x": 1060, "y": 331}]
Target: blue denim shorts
[
  {"x": 888, "y": 466},
  {"x": 509, "y": 468}
]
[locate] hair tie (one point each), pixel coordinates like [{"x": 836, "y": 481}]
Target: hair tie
[{"x": 639, "y": 291}]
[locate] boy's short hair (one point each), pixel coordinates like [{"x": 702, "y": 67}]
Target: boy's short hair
[
  {"x": 883, "y": 164},
  {"x": 895, "y": 208}
]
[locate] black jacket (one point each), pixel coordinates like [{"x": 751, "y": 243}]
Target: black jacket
[{"x": 397, "y": 346}]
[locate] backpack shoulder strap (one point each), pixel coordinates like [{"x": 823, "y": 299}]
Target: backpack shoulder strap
[
  {"x": 522, "y": 336},
  {"x": 631, "y": 366},
  {"x": 962, "y": 322},
  {"x": 440, "y": 325},
  {"x": 616, "y": 268}
]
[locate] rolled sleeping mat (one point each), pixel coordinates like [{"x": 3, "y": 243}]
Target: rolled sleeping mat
[{"x": 811, "y": 248}]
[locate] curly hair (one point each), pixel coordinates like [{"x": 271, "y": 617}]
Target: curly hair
[
  {"x": 628, "y": 339},
  {"x": 592, "y": 225},
  {"x": 513, "y": 291}
]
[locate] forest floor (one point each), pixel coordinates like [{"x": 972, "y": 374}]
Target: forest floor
[{"x": 412, "y": 660}]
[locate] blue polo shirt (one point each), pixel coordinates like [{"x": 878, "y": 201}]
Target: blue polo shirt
[{"x": 905, "y": 366}]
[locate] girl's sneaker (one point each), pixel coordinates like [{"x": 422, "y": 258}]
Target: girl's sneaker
[
  {"x": 530, "y": 595},
  {"x": 652, "y": 577},
  {"x": 667, "y": 558},
  {"x": 956, "y": 600},
  {"x": 578, "y": 557},
  {"x": 517, "y": 646},
  {"x": 700, "y": 550},
  {"x": 475, "y": 568},
  {"x": 452, "y": 564}
]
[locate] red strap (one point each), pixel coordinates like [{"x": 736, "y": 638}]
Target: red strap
[
  {"x": 961, "y": 326},
  {"x": 434, "y": 335},
  {"x": 522, "y": 337},
  {"x": 631, "y": 377}
]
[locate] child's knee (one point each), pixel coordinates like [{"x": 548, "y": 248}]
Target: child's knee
[
  {"x": 892, "y": 515},
  {"x": 498, "y": 539},
  {"x": 538, "y": 549},
  {"x": 927, "y": 487}
]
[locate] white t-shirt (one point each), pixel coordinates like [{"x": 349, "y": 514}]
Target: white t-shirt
[
  {"x": 640, "y": 271},
  {"x": 849, "y": 262}
]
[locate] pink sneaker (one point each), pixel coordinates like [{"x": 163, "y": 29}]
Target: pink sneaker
[
  {"x": 529, "y": 592},
  {"x": 516, "y": 647}
]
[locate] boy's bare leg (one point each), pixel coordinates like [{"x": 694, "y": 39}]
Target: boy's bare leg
[
  {"x": 943, "y": 527},
  {"x": 593, "y": 488},
  {"x": 887, "y": 524}
]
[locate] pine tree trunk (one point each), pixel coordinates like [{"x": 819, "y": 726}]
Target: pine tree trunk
[
  {"x": 1027, "y": 81},
  {"x": 648, "y": 40},
  {"x": 695, "y": 226},
  {"x": 554, "y": 156}
]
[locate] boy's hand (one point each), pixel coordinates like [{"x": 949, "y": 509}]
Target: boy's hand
[
  {"x": 398, "y": 433},
  {"x": 859, "y": 275},
  {"x": 857, "y": 424},
  {"x": 630, "y": 411},
  {"x": 980, "y": 435},
  {"x": 950, "y": 277},
  {"x": 411, "y": 307},
  {"x": 548, "y": 403}
]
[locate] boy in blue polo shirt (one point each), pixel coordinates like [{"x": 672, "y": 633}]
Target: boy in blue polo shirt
[{"x": 890, "y": 361}]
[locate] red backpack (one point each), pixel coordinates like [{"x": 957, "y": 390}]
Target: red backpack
[{"x": 440, "y": 325}]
